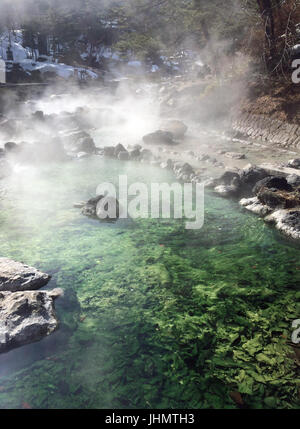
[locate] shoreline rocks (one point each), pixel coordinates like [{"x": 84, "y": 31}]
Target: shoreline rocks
[
  {"x": 15, "y": 276},
  {"x": 275, "y": 198},
  {"x": 26, "y": 315}
]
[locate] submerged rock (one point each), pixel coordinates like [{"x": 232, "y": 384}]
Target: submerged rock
[
  {"x": 26, "y": 317},
  {"x": 98, "y": 209},
  {"x": 15, "y": 276}
]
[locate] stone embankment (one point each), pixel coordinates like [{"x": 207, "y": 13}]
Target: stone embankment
[{"x": 270, "y": 131}]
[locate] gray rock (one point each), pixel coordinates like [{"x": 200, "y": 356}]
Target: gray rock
[
  {"x": 293, "y": 180},
  {"x": 119, "y": 148},
  {"x": 26, "y": 317},
  {"x": 15, "y": 276},
  {"x": 11, "y": 147},
  {"x": 251, "y": 174},
  {"x": 255, "y": 206},
  {"x": 159, "y": 137},
  {"x": 109, "y": 151},
  {"x": 89, "y": 208},
  {"x": 146, "y": 155},
  {"x": 94, "y": 208},
  {"x": 175, "y": 127},
  {"x": 134, "y": 154},
  {"x": 274, "y": 183},
  {"x": 286, "y": 221},
  {"x": 169, "y": 164},
  {"x": 85, "y": 144},
  {"x": 183, "y": 167},
  {"x": 235, "y": 155},
  {"x": 123, "y": 155},
  {"x": 294, "y": 163},
  {"x": 79, "y": 205},
  {"x": 226, "y": 190}
]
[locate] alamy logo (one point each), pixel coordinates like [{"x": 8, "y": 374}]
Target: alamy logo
[
  {"x": 2, "y": 71},
  {"x": 138, "y": 201},
  {"x": 296, "y": 73},
  {"x": 296, "y": 332}
]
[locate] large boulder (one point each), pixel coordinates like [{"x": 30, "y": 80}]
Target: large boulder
[
  {"x": 109, "y": 151},
  {"x": 175, "y": 127},
  {"x": 159, "y": 137},
  {"x": 119, "y": 148},
  {"x": 26, "y": 317},
  {"x": 251, "y": 174},
  {"x": 229, "y": 177},
  {"x": 11, "y": 147},
  {"x": 123, "y": 155},
  {"x": 134, "y": 153},
  {"x": 273, "y": 182},
  {"x": 86, "y": 145},
  {"x": 276, "y": 192},
  {"x": 79, "y": 141},
  {"x": 16, "y": 276}
]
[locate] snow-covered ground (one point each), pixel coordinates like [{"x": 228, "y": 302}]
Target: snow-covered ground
[{"x": 27, "y": 58}]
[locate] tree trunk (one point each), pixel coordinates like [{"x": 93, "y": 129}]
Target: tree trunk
[{"x": 266, "y": 11}]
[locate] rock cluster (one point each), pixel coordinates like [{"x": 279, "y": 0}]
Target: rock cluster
[
  {"x": 26, "y": 315},
  {"x": 276, "y": 198}
]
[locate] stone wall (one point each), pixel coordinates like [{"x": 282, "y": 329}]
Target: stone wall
[{"x": 268, "y": 130}]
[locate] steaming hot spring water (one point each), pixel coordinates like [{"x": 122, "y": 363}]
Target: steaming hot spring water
[{"x": 153, "y": 315}]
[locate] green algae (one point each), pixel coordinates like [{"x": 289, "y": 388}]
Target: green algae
[{"x": 154, "y": 315}]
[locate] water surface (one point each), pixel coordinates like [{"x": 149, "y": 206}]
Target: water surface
[{"x": 154, "y": 315}]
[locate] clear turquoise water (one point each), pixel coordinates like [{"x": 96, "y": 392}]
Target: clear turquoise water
[{"x": 154, "y": 315}]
